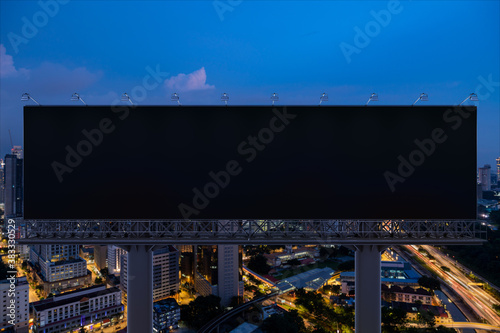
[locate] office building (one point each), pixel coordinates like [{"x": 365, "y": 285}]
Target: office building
[
  {"x": 89, "y": 308},
  {"x": 219, "y": 272},
  {"x": 187, "y": 258},
  {"x": 485, "y": 177},
  {"x": 166, "y": 315},
  {"x": 21, "y": 305},
  {"x": 59, "y": 267},
  {"x": 165, "y": 273},
  {"x": 114, "y": 259},
  {"x": 13, "y": 184}
]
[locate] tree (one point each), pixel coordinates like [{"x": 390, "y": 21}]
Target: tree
[
  {"x": 98, "y": 280},
  {"x": 288, "y": 322},
  {"x": 346, "y": 266},
  {"x": 200, "y": 311},
  {"x": 331, "y": 288},
  {"x": 429, "y": 283},
  {"x": 311, "y": 301},
  {"x": 259, "y": 265},
  {"x": 426, "y": 318},
  {"x": 104, "y": 271},
  {"x": 393, "y": 319},
  {"x": 293, "y": 262}
]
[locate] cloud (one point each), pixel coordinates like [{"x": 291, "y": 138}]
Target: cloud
[
  {"x": 189, "y": 82},
  {"x": 51, "y": 78},
  {"x": 7, "y": 68}
]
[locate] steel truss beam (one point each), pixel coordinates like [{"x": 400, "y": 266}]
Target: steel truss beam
[{"x": 242, "y": 232}]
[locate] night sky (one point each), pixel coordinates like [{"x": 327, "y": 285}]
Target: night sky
[{"x": 250, "y": 49}]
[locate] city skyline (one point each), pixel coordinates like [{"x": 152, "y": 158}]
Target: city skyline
[{"x": 201, "y": 49}]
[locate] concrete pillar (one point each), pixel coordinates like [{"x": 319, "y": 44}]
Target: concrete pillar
[
  {"x": 140, "y": 289},
  {"x": 368, "y": 313}
]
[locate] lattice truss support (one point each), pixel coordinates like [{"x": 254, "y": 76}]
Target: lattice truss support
[{"x": 253, "y": 231}]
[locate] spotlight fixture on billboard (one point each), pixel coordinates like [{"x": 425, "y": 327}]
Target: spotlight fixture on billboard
[
  {"x": 126, "y": 98},
  {"x": 274, "y": 98},
  {"x": 76, "y": 97},
  {"x": 423, "y": 97},
  {"x": 323, "y": 98},
  {"x": 373, "y": 98},
  {"x": 27, "y": 97},
  {"x": 224, "y": 98},
  {"x": 175, "y": 98},
  {"x": 472, "y": 97}
]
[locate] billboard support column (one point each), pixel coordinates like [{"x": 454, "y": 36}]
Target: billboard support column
[
  {"x": 140, "y": 289},
  {"x": 368, "y": 314}
]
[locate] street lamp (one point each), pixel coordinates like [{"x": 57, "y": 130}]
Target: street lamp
[
  {"x": 76, "y": 97},
  {"x": 27, "y": 97},
  {"x": 175, "y": 98},
  {"x": 423, "y": 97},
  {"x": 224, "y": 98},
  {"x": 323, "y": 98},
  {"x": 373, "y": 97},
  {"x": 126, "y": 98},
  {"x": 472, "y": 97},
  {"x": 274, "y": 98}
]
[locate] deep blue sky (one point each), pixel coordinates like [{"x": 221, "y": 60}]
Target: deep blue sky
[{"x": 101, "y": 49}]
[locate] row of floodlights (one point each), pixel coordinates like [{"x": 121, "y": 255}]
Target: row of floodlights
[{"x": 274, "y": 98}]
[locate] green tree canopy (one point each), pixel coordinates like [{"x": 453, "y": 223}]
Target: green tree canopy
[
  {"x": 258, "y": 264},
  {"x": 429, "y": 282},
  {"x": 288, "y": 322},
  {"x": 200, "y": 311}
]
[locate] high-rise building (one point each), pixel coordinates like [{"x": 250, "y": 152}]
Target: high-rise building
[
  {"x": 219, "y": 271},
  {"x": 59, "y": 267},
  {"x": 101, "y": 256},
  {"x": 498, "y": 170},
  {"x": 165, "y": 273},
  {"x": 187, "y": 263},
  {"x": 114, "y": 259},
  {"x": 13, "y": 184},
  {"x": 2, "y": 181},
  {"x": 21, "y": 305},
  {"x": 485, "y": 177},
  {"x": 89, "y": 307}
]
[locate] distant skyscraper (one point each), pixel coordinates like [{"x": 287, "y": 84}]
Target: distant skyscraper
[
  {"x": 114, "y": 259},
  {"x": 13, "y": 183},
  {"x": 18, "y": 151},
  {"x": 219, "y": 272},
  {"x": 2, "y": 181},
  {"x": 498, "y": 170},
  {"x": 485, "y": 177}
]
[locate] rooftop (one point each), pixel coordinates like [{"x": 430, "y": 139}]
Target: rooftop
[{"x": 55, "y": 302}]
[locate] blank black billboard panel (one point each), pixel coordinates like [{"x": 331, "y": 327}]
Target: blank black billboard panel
[{"x": 250, "y": 162}]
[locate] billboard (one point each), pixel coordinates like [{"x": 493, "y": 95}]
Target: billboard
[{"x": 250, "y": 162}]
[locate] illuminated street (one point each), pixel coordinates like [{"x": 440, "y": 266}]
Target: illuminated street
[{"x": 476, "y": 298}]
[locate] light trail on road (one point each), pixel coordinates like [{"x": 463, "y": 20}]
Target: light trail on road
[{"x": 476, "y": 298}]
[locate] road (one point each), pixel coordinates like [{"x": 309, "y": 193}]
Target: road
[
  {"x": 480, "y": 326},
  {"x": 476, "y": 298}
]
